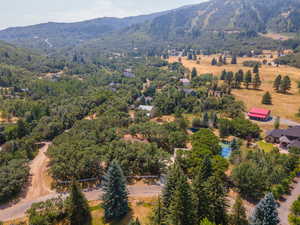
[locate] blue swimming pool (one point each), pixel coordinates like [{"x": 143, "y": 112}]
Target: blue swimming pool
[{"x": 226, "y": 150}]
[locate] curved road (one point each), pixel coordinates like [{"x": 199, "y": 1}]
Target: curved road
[{"x": 39, "y": 189}]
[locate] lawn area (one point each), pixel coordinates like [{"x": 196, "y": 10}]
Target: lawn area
[
  {"x": 267, "y": 147},
  {"x": 141, "y": 209},
  {"x": 252, "y": 98}
]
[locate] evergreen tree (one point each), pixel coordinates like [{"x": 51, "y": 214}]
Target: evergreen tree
[
  {"x": 78, "y": 210},
  {"x": 238, "y": 216},
  {"x": 190, "y": 56},
  {"x": 194, "y": 73},
  {"x": 135, "y": 222},
  {"x": 199, "y": 194},
  {"x": 215, "y": 120},
  {"x": 156, "y": 218},
  {"x": 234, "y": 144},
  {"x": 217, "y": 201},
  {"x": 214, "y": 62},
  {"x": 223, "y": 75},
  {"x": 256, "y": 68},
  {"x": 265, "y": 213},
  {"x": 205, "y": 121},
  {"x": 229, "y": 78},
  {"x": 206, "y": 222},
  {"x": 115, "y": 197},
  {"x": 267, "y": 99},
  {"x": 277, "y": 123},
  {"x": 256, "y": 81},
  {"x": 224, "y": 60},
  {"x": 220, "y": 62},
  {"x": 248, "y": 79},
  {"x": 285, "y": 84},
  {"x": 277, "y": 82},
  {"x": 170, "y": 185},
  {"x": 234, "y": 59},
  {"x": 181, "y": 210}
]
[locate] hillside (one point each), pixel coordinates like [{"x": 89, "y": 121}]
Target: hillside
[
  {"x": 57, "y": 35},
  {"x": 210, "y": 22}
]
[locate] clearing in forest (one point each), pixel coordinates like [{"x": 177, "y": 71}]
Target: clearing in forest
[{"x": 284, "y": 105}]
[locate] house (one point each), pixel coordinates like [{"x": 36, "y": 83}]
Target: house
[
  {"x": 259, "y": 114},
  {"x": 185, "y": 81},
  {"x": 128, "y": 73},
  {"x": 287, "y": 138},
  {"x": 147, "y": 108}
]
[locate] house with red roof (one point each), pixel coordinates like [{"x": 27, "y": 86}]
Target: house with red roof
[{"x": 259, "y": 114}]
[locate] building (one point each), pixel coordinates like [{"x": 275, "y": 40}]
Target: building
[
  {"x": 185, "y": 81},
  {"x": 147, "y": 108},
  {"x": 287, "y": 138},
  {"x": 259, "y": 114}
]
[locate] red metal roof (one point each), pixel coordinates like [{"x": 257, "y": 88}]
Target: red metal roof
[
  {"x": 257, "y": 115},
  {"x": 259, "y": 111}
]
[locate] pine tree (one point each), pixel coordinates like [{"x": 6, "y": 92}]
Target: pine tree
[
  {"x": 115, "y": 197},
  {"x": 215, "y": 120},
  {"x": 265, "y": 213},
  {"x": 170, "y": 185},
  {"x": 190, "y": 56},
  {"x": 78, "y": 210},
  {"x": 277, "y": 123},
  {"x": 224, "y": 60},
  {"x": 256, "y": 81},
  {"x": 194, "y": 73},
  {"x": 181, "y": 210},
  {"x": 248, "y": 79},
  {"x": 267, "y": 99},
  {"x": 220, "y": 60},
  {"x": 256, "y": 68},
  {"x": 205, "y": 121},
  {"x": 277, "y": 82},
  {"x": 156, "y": 217},
  {"x": 135, "y": 222},
  {"x": 214, "y": 62},
  {"x": 206, "y": 222},
  {"x": 234, "y": 59},
  {"x": 223, "y": 75},
  {"x": 199, "y": 194},
  {"x": 234, "y": 144},
  {"x": 285, "y": 84},
  {"x": 229, "y": 78},
  {"x": 217, "y": 201},
  {"x": 238, "y": 216}
]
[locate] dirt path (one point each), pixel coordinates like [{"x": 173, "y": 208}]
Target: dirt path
[
  {"x": 39, "y": 183},
  {"x": 285, "y": 206}
]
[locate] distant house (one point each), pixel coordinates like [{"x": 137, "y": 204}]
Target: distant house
[
  {"x": 185, "y": 81},
  {"x": 128, "y": 73},
  {"x": 287, "y": 138},
  {"x": 188, "y": 91},
  {"x": 259, "y": 114},
  {"x": 147, "y": 108}
]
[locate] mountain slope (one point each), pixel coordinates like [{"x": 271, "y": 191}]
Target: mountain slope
[{"x": 58, "y": 35}]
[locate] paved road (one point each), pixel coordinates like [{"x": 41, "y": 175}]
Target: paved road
[
  {"x": 285, "y": 206},
  {"x": 19, "y": 210}
]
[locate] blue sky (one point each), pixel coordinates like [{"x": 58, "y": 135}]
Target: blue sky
[{"x": 27, "y": 12}]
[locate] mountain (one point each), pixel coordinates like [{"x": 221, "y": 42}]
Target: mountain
[
  {"x": 215, "y": 23},
  {"x": 58, "y": 35}
]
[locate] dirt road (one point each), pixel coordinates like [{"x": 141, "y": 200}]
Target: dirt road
[{"x": 39, "y": 182}]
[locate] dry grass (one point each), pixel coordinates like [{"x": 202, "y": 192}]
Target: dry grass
[
  {"x": 5, "y": 120},
  {"x": 277, "y": 36},
  {"x": 285, "y": 106}
]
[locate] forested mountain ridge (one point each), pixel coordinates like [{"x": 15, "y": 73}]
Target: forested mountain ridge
[
  {"x": 193, "y": 22},
  {"x": 57, "y": 35}
]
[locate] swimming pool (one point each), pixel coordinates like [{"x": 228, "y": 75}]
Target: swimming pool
[{"x": 226, "y": 150}]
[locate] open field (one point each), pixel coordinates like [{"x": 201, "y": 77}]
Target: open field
[
  {"x": 285, "y": 106},
  {"x": 278, "y": 36}
]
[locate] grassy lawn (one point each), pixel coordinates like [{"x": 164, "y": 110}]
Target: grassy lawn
[
  {"x": 141, "y": 209},
  {"x": 267, "y": 147}
]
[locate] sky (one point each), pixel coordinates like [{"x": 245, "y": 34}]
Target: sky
[{"x": 29, "y": 12}]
